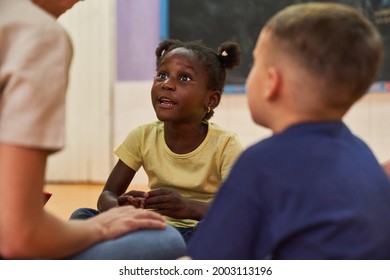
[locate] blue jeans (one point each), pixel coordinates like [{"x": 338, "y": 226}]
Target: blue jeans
[
  {"x": 187, "y": 233},
  {"x": 85, "y": 213},
  {"x": 146, "y": 244}
]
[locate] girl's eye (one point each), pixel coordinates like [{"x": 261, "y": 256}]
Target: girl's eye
[
  {"x": 185, "y": 78},
  {"x": 161, "y": 76}
]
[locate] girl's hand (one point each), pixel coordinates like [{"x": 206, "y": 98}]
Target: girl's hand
[
  {"x": 134, "y": 198},
  {"x": 169, "y": 203}
]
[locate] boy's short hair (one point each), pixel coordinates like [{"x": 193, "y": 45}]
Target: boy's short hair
[{"x": 332, "y": 41}]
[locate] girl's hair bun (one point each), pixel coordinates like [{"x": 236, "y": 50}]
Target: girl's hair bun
[
  {"x": 164, "y": 46},
  {"x": 229, "y": 53}
]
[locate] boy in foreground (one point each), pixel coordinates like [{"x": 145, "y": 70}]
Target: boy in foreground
[{"x": 313, "y": 190}]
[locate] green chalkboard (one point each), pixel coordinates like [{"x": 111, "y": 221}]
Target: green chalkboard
[{"x": 216, "y": 21}]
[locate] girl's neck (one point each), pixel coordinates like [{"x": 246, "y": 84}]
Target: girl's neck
[{"x": 184, "y": 138}]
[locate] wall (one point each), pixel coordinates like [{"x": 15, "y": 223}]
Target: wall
[
  {"x": 87, "y": 155},
  {"x": 240, "y": 21},
  {"x": 370, "y": 119}
]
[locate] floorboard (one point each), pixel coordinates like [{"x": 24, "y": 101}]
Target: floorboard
[{"x": 68, "y": 197}]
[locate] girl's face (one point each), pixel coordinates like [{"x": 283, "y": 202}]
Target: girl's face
[{"x": 179, "y": 91}]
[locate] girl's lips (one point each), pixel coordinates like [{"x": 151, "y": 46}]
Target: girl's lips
[{"x": 166, "y": 102}]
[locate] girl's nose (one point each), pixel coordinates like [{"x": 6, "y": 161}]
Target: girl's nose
[{"x": 167, "y": 84}]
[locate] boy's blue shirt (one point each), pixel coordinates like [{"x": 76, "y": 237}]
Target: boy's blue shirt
[{"x": 313, "y": 191}]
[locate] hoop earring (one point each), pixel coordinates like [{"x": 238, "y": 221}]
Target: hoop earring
[{"x": 208, "y": 110}]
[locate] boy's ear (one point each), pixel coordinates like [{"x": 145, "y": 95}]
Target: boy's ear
[
  {"x": 273, "y": 83},
  {"x": 214, "y": 99}
]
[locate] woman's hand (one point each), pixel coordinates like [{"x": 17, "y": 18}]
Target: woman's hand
[{"x": 120, "y": 220}]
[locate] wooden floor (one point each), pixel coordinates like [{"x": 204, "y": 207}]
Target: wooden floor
[{"x": 68, "y": 197}]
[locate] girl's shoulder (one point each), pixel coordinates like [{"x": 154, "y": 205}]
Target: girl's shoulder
[
  {"x": 156, "y": 125},
  {"x": 146, "y": 130},
  {"x": 219, "y": 130}
]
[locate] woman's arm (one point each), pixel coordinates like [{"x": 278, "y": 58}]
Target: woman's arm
[{"x": 28, "y": 231}]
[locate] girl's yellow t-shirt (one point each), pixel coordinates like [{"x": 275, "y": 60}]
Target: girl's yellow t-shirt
[{"x": 196, "y": 175}]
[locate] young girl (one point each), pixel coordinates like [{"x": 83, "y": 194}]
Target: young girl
[{"x": 184, "y": 155}]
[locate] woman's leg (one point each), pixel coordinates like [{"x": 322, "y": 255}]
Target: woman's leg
[{"x": 148, "y": 244}]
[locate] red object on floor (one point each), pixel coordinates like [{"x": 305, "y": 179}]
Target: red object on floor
[{"x": 46, "y": 197}]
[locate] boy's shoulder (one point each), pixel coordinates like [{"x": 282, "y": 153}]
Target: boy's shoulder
[{"x": 303, "y": 136}]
